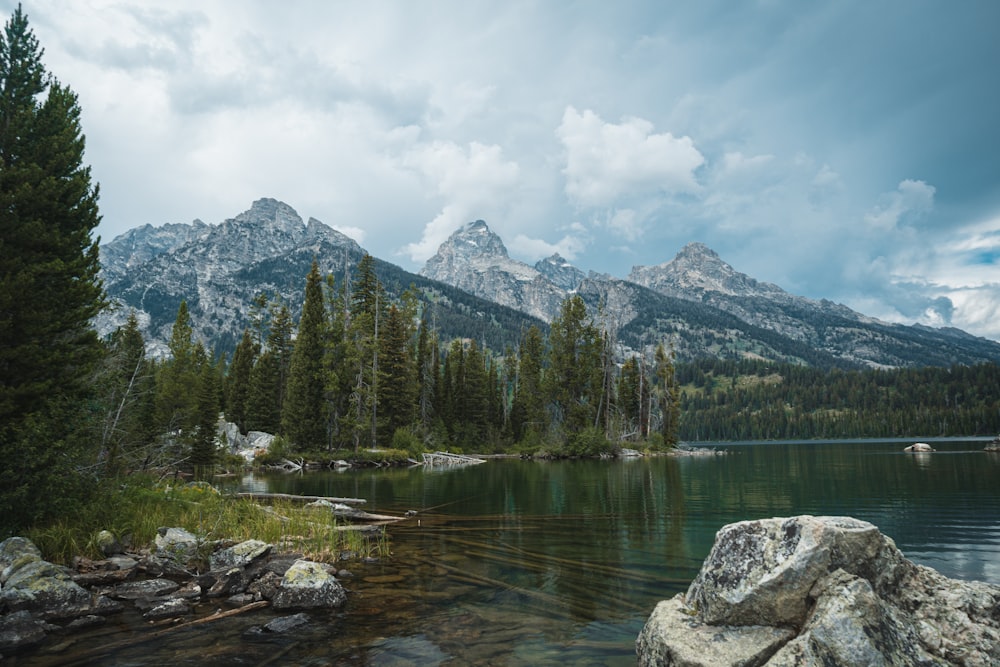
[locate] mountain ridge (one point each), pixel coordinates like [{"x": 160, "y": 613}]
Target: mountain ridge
[
  {"x": 698, "y": 275},
  {"x": 695, "y": 301}
]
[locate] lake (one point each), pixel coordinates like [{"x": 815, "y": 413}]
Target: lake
[{"x": 525, "y": 563}]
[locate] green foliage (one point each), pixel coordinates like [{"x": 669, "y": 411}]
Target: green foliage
[
  {"x": 751, "y": 400},
  {"x": 49, "y": 290},
  {"x": 406, "y": 440},
  {"x": 136, "y": 509},
  {"x": 238, "y": 381},
  {"x": 590, "y": 441},
  {"x": 303, "y": 420},
  {"x": 575, "y": 375}
]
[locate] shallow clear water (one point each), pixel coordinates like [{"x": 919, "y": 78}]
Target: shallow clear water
[{"x": 526, "y": 563}]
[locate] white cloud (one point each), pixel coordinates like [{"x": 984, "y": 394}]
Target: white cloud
[
  {"x": 909, "y": 200},
  {"x": 627, "y": 223},
  {"x": 533, "y": 250},
  {"x": 607, "y": 161},
  {"x": 355, "y": 233},
  {"x": 472, "y": 182}
]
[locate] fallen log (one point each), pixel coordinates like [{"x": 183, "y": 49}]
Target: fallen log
[
  {"x": 143, "y": 637},
  {"x": 306, "y": 499}
]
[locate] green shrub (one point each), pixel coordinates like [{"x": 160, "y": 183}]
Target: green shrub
[
  {"x": 406, "y": 440},
  {"x": 588, "y": 442}
]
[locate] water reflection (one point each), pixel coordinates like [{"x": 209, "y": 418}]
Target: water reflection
[{"x": 527, "y": 563}]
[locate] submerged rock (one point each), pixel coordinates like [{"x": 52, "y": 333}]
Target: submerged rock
[
  {"x": 308, "y": 585},
  {"x": 820, "y": 591}
]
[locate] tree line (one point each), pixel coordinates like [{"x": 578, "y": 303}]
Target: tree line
[
  {"x": 755, "y": 400},
  {"x": 361, "y": 370}
]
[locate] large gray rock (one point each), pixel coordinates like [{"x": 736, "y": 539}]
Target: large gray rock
[
  {"x": 308, "y": 585},
  {"x": 821, "y": 591},
  {"x": 240, "y": 555},
  {"x": 39, "y": 586},
  {"x": 761, "y": 572},
  {"x": 14, "y": 553},
  {"x": 176, "y": 544}
]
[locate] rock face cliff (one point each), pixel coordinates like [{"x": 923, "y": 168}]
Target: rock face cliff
[
  {"x": 560, "y": 273},
  {"x": 820, "y": 591},
  {"x": 474, "y": 259},
  {"x": 218, "y": 269}
]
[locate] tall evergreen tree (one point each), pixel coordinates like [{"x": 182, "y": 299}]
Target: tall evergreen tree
[
  {"x": 399, "y": 385},
  {"x": 303, "y": 419},
  {"x": 575, "y": 377},
  {"x": 361, "y": 355},
  {"x": 531, "y": 402},
  {"x": 238, "y": 380},
  {"x": 202, "y": 455},
  {"x": 177, "y": 379},
  {"x": 49, "y": 289},
  {"x": 668, "y": 395}
]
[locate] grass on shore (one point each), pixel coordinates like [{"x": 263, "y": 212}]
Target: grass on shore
[{"x": 134, "y": 508}]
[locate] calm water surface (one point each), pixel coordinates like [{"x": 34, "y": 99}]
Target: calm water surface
[{"x": 527, "y": 563}]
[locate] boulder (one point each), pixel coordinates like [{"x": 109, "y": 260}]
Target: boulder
[
  {"x": 240, "y": 555},
  {"x": 148, "y": 588},
  {"x": 918, "y": 447},
  {"x": 171, "y": 608},
  {"x": 108, "y": 543},
  {"x": 820, "y": 591},
  {"x": 308, "y": 585},
  {"x": 15, "y": 552},
  {"x": 20, "y": 630},
  {"x": 41, "y": 587},
  {"x": 176, "y": 544}
]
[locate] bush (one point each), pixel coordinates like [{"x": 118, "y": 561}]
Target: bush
[
  {"x": 656, "y": 443},
  {"x": 588, "y": 442},
  {"x": 406, "y": 440}
]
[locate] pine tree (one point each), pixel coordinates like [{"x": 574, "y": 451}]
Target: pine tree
[
  {"x": 129, "y": 396},
  {"x": 263, "y": 400},
  {"x": 668, "y": 398},
  {"x": 303, "y": 419},
  {"x": 49, "y": 290},
  {"x": 367, "y": 313},
  {"x": 202, "y": 454},
  {"x": 530, "y": 401},
  {"x": 177, "y": 379},
  {"x": 238, "y": 380},
  {"x": 399, "y": 389},
  {"x": 575, "y": 378}
]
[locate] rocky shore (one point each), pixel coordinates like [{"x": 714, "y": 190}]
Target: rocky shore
[
  {"x": 820, "y": 591},
  {"x": 39, "y": 600}
]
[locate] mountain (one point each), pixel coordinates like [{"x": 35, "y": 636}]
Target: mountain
[
  {"x": 698, "y": 274},
  {"x": 219, "y": 269},
  {"x": 560, "y": 273},
  {"x": 703, "y": 307},
  {"x": 474, "y": 259},
  {"x": 472, "y": 288}
]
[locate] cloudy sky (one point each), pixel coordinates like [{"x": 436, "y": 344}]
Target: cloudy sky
[{"x": 847, "y": 150}]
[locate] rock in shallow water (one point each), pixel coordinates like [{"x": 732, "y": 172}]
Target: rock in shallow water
[
  {"x": 308, "y": 585},
  {"x": 840, "y": 591}
]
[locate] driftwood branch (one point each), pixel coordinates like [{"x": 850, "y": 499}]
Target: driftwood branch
[
  {"x": 305, "y": 499},
  {"x": 143, "y": 637}
]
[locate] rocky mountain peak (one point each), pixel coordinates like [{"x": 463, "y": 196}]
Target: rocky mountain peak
[
  {"x": 698, "y": 269},
  {"x": 474, "y": 259},
  {"x": 560, "y": 272},
  {"x": 476, "y": 238}
]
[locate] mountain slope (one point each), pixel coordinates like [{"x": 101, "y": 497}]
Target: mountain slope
[
  {"x": 219, "y": 269},
  {"x": 474, "y": 259},
  {"x": 699, "y": 275},
  {"x": 703, "y": 307}
]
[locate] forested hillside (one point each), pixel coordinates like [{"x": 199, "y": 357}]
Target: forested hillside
[{"x": 748, "y": 400}]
